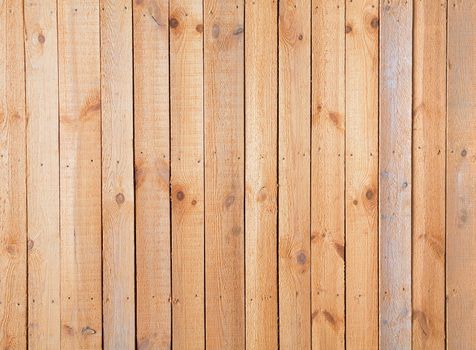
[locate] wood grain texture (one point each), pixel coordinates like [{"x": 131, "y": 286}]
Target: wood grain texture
[
  {"x": 117, "y": 175},
  {"x": 80, "y": 173},
  {"x": 461, "y": 168},
  {"x": 224, "y": 173},
  {"x": 361, "y": 266},
  {"x": 429, "y": 149},
  {"x": 186, "y": 98},
  {"x": 152, "y": 173},
  {"x": 294, "y": 174},
  {"x": 43, "y": 174},
  {"x": 261, "y": 174},
  {"x": 327, "y": 174},
  {"x": 13, "y": 263},
  {"x": 395, "y": 163}
]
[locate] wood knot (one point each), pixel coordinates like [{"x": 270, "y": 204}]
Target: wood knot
[
  {"x": 31, "y": 244},
  {"x": 88, "y": 330},
  {"x": 216, "y": 31},
  {"x": 374, "y": 23},
  {"x": 229, "y": 200},
  {"x": 301, "y": 258},
  {"x": 41, "y": 38},
  {"x": 464, "y": 153},
  {"x": 199, "y": 28},
  {"x": 238, "y": 30},
  {"x": 180, "y": 195},
  {"x": 236, "y": 230},
  {"x": 348, "y": 29},
  {"x": 369, "y": 194},
  {"x": 120, "y": 198},
  {"x": 300, "y": 37},
  {"x": 173, "y": 23},
  {"x": 194, "y": 202}
]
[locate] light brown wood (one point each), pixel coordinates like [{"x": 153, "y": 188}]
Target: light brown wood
[
  {"x": 117, "y": 175},
  {"x": 152, "y": 174},
  {"x": 186, "y": 98},
  {"x": 461, "y": 170},
  {"x": 429, "y": 149},
  {"x": 41, "y": 72},
  {"x": 294, "y": 174},
  {"x": 224, "y": 173},
  {"x": 361, "y": 266},
  {"x": 261, "y": 121},
  {"x": 395, "y": 167},
  {"x": 327, "y": 174},
  {"x": 80, "y": 173},
  {"x": 13, "y": 297}
]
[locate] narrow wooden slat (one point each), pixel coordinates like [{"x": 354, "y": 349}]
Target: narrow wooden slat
[
  {"x": 186, "y": 78},
  {"x": 13, "y": 298},
  {"x": 80, "y": 173},
  {"x": 395, "y": 163},
  {"x": 43, "y": 174},
  {"x": 327, "y": 196},
  {"x": 461, "y": 170},
  {"x": 429, "y": 149},
  {"x": 294, "y": 174},
  {"x": 117, "y": 174},
  {"x": 261, "y": 86},
  {"x": 361, "y": 100},
  {"x": 224, "y": 173},
  {"x": 151, "y": 127}
]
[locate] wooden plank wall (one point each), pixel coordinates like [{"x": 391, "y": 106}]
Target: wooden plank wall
[{"x": 237, "y": 174}]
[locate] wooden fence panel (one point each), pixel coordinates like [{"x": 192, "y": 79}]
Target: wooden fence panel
[
  {"x": 41, "y": 74},
  {"x": 261, "y": 120},
  {"x": 327, "y": 174},
  {"x": 152, "y": 174},
  {"x": 117, "y": 175},
  {"x": 361, "y": 187},
  {"x": 186, "y": 96},
  {"x": 460, "y": 175},
  {"x": 13, "y": 221},
  {"x": 224, "y": 173},
  {"x": 429, "y": 150}
]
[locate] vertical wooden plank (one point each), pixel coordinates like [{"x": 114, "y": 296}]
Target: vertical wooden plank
[
  {"x": 80, "y": 173},
  {"x": 361, "y": 102},
  {"x": 429, "y": 149},
  {"x": 13, "y": 298},
  {"x": 261, "y": 86},
  {"x": 152, "y": 175},
  {"x": 186, "y": 77},
  {"x": 43, "y": 174},
  {"x": 224, "y": 173},
  {"x": 294, "y": 174},
  {"x": 117, "y": 174},
  {"x": 461, "y": 187},
  {"x": 328, "y": 176},
  {"x": 395, "y": 163}
]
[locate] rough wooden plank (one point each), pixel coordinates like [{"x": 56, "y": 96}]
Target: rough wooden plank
[
  {"x": 13, "y": 298},
  {"x": 117, "y": 174},
  {"x": 43, "y": 174},
  {"x": 224, "y": 173},
  {"x": 186, "y": 78},
  {"x": 395, "y": 163},
  {"x": 461, "y": 170},
  {"x": 261, "y": 84},
  {"x": 152, "y": 176},
  {"x": 327, "y": 174},
  {"x": 294, "y": 174},
  {"x": 80, "y": 173},
  {"x": 361, "y": 256},
  {"x": 429, "y": 149}
]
